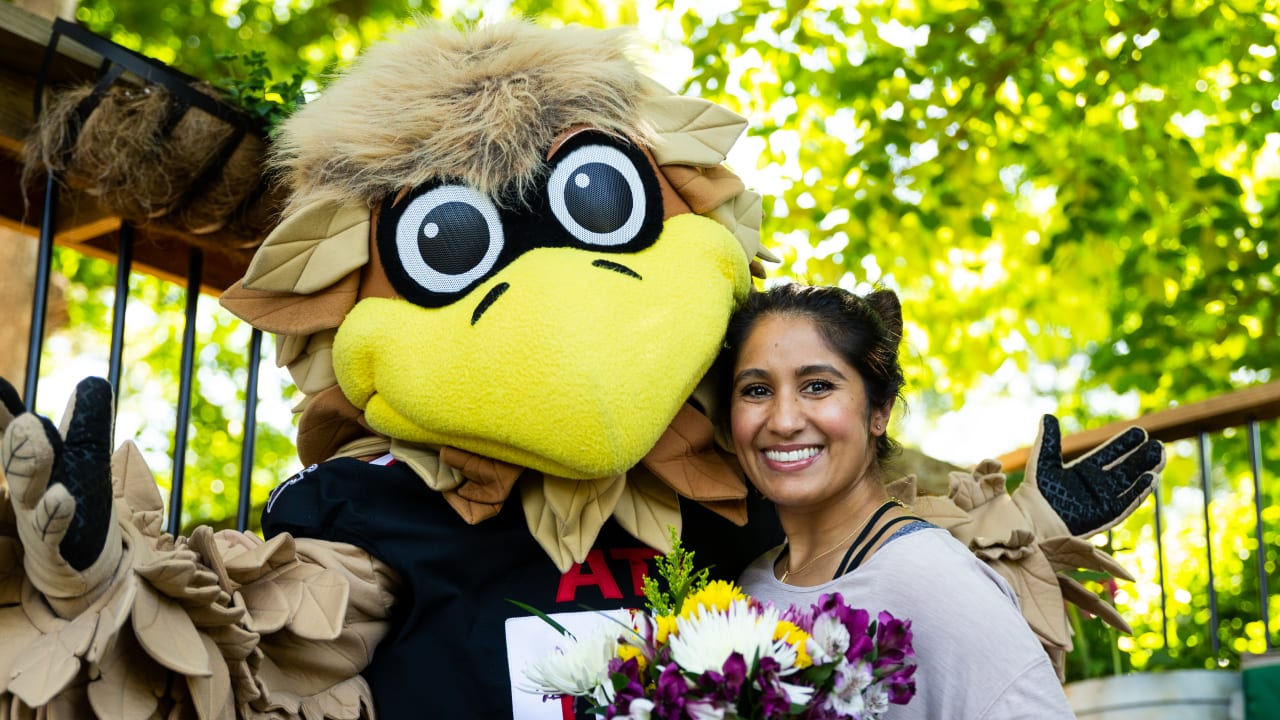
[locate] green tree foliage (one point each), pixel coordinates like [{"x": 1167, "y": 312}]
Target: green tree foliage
[{"x": 1036, "y": 178}]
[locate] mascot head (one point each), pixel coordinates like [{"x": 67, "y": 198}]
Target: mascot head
[{"x": 509, "y": 258}]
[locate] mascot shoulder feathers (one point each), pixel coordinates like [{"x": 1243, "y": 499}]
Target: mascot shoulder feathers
[{"x": 503, "y": 276}]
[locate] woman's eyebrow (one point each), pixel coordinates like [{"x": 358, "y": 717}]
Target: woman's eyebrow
[
  {"x": 750, "y": 374},
  {"x": 821, "y": 369}
]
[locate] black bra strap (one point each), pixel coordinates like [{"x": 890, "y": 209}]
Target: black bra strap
[
  {"x": 847, "y": 566},
  {"x": 875, "y": 518}
]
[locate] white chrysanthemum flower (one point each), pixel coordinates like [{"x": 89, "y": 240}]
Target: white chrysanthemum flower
[
  {"x": 578, "y": 667},
  {"x": 704, "y": 640},
  {"x": 829, "y": 640},
  {"x": 797, "y": 694}
]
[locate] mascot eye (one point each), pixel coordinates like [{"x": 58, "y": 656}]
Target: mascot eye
[
  {"x": 448, "y": 237},
  {"x": 597, "y": 195}
]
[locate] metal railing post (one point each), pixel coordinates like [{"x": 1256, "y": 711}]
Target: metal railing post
[
  {"x": 195, "y": 269},
  {"x": 1203, "y": 443},
  {"x": 40, "y": 298},
  {"x": 1255, "y": 466},
  {"x": 250, "y": 431},
  {"x": 124, "y": 264}
]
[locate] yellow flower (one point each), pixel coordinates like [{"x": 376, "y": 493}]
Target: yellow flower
[
  {"x": 796, "y": 638},
  {"x": 716, "y": 595},
  {"x": 666, "y": 626},
  {"x": 626, "y": 652}
]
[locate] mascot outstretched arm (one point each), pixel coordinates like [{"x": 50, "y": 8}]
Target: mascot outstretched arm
[{"x": 505, "y": 270}]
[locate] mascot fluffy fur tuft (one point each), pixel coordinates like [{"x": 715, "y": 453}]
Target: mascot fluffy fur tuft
[{"x": 480, "y": 107}]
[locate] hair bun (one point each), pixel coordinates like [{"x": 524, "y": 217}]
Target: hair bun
[{"x": 886, "y": 304}]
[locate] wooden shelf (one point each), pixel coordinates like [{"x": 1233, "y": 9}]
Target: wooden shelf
[{"x": 81, "y": 222}]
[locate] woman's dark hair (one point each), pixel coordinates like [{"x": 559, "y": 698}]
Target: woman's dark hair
[{"x": 865, "y": 331}]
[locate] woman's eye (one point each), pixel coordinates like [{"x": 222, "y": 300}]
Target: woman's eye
[
  {"x": 597, "y": 194},
  {"x": 448, "y": 238},
  {"x": 819, "y": 386},
  {"x": 754, "y": 391}
]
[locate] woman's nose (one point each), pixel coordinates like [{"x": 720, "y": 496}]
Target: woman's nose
[{"x": 787, "y": 417}]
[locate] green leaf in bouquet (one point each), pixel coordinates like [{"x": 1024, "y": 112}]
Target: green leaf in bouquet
[{"x": 545, "y": 617}]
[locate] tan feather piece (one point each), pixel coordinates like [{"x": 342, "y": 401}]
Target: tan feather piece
[
  {"x": 245, "y": 565},
  {"x": 126, "y": 688},
  {"x": 52, "y": 661},
  {"x": 1070, "y": 553},
  {"x": 288, "y": 313},
  {"x": 1079, "y": 595},
  {"x": 167, "y": 634},
  {"x": 691, "y": 131},
  {"x": 135, "y": 489},
  {"x": 704, "y": 189},
  {"x": 1039, "y": 596},
  {"x": 312, "y": 369},
  {"x": 426, "y": 463},
  {"x": 940, "y": 511},
  {"x": 565, "y": 516},
  {"x": 647, "y": 509},
  {"x": 115, "y": 613},
  {"x": 685, "y": 458},
  {"x": 211, "y": 695},
  {"x": 311, "y": 249},
  {"x": 19, "y": 634},
  {"x": 317, "y": 601},
  {"x": 742, "y": 216}
]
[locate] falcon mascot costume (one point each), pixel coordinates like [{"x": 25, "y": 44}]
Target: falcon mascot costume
[{"x": 502, "y": 277}]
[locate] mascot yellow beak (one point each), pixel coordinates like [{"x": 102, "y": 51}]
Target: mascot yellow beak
[{"x": 563, "y": 336}]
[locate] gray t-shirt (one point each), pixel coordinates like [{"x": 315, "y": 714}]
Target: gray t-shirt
[{"x": 977, "y": 658}]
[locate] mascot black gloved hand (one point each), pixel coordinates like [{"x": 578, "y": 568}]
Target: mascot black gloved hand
[
  {"x": 1096, "y": 491},
  {"x": 59, "y": 482}
]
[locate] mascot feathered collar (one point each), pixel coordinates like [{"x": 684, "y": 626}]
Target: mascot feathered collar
[{"x": 508, "y": 261}]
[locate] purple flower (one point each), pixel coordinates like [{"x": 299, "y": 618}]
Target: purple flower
[
  {"x": 724, "y": 687},
  {"x": 893, "y": 640},
  {"x": 774, "y": 700},
  {"x": 670, "y": 694},
  {"x": 625, "y": 676},
  {"x": 901, "y": 685}
]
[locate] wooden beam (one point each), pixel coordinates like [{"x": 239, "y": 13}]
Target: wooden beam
[
  {"x": 1261, "y": 402},
  {"x": 81, "y": 223}
]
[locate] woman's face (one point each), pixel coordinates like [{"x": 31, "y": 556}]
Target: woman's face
[{"x": 799, "y": 415}]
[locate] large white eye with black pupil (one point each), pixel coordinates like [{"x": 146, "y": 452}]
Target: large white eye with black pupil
[
  {"x": 596, "y": 194},
  {"x": 448, "y": 237}
]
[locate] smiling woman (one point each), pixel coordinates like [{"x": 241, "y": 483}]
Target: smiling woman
[{"x": 811, "y": 375}]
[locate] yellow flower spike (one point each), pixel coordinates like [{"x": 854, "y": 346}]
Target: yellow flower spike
[
  {"x": 716, "y": 595},
  {"x": 795, "y": 637}
]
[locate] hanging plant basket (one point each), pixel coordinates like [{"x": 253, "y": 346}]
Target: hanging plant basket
[{"x": 157, "y": 147}]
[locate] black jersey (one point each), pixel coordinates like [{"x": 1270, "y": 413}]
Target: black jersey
[{"x": 445, "y": 654}]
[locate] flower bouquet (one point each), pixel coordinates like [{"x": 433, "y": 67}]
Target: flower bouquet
[{"x": 706, "y": 650}]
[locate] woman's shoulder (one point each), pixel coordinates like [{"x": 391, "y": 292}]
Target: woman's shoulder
[{"x": 930, "y": 557}]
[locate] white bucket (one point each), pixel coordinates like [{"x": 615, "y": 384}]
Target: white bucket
[{"x": 1172, "y": 695}]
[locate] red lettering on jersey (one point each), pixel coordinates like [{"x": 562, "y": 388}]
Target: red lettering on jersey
[
  {"x": 636, "y": 559},
  {"x": 600, "y": 576}
]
